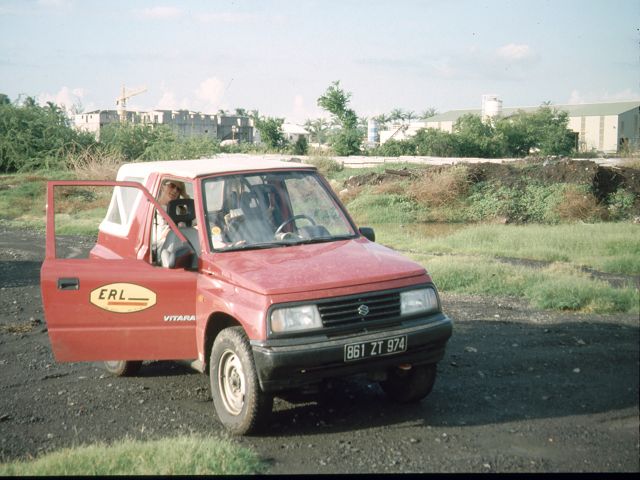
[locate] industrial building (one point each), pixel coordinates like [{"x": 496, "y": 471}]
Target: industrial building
[
  {"x": 603, "y": 127},
  {"x": 184, "y": 123}
]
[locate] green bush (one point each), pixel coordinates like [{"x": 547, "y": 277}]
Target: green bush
[
  {"x": 620, "y": 204},
  {"x": 489, "y": 201},
  {"x": 33, "y": 137},
  {"x": 532, "y": 203},
  {"x": 436, "y": 143},
  {"x": 300, "y": 146},
  {"x": 394, "y": 148}
]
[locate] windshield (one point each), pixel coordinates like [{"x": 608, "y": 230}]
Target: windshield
[{"x": 269, "y": 210}]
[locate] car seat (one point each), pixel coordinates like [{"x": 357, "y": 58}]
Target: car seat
[{"x": 182, "y": 212}]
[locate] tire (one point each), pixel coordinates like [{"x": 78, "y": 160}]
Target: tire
[
  {"x": 408, "y": 386},
  {"x": 122, "y": 368},
  {"x": 241, "y": 405}
]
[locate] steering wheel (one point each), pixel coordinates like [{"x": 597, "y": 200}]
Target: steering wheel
[{"x": 293, "y": 219}]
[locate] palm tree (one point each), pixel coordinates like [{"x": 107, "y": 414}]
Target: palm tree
[
  {"x": 396, "y": 115},
  {"x": 317, "y": 128},
  {"x": 382, "y": 119},
  {"x": 409, "y": 115},
  {"x": 428, "y": 113}
]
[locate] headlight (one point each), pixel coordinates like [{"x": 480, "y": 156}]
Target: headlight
[
  {"x": 418, "y": 301},
  {"x": 292, "y": 319}
]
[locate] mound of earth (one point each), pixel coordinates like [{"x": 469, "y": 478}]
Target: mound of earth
[{"x": 603, "y": 180}]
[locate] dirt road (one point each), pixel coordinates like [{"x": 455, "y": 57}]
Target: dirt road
[{"x": 519, "y": 390}]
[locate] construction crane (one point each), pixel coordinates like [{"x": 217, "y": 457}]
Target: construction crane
[{"x": 121, "y": 101}]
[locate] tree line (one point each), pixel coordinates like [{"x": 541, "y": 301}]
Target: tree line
[
  {"x": 544, "y": 131},
  {"x": 34, "y": 136}
]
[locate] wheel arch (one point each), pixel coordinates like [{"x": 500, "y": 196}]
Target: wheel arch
[{"x": 216, "y": 322}]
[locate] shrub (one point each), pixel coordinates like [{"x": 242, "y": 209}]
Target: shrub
[
  {"x": 349, "y": 195},
  {"x": 621, "y": 204},
  {"x": 436, "y": 143},
  {"x": 437, "y": 188},
  {"x": 300, "y": 146},
  {"x": 326, "y": 165},
  {"x": 394, "y": 148},
  {"x": 34, "y": 137},
  {"x": 95, "y": 164},
  {"x": 491, "y": 201},
  {"x": 394, "y": 187},
  {"x": 579, "y": 204}
]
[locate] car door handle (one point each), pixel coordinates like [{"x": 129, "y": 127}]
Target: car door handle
[{"x": 68, "y": 284}]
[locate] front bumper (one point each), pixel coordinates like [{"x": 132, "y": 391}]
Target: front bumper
[{"x": 287, "y": 365}]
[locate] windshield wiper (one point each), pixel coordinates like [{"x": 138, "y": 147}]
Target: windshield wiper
[
  {"x": 251, "y": 246},
  {"x": 322, "y": 239}
]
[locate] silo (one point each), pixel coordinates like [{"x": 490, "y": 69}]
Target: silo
[
  {"x": 491, "y": 107},
  {"x": 372, "y": 132}
]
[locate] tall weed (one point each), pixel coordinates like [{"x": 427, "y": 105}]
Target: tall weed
[
  {"x": 579, "y": 204},
  {"x": 95, "y": 164},
  {"x": 438, "y": 188}
]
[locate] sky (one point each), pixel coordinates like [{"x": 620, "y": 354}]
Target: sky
[{"x": 278, "y": 57}]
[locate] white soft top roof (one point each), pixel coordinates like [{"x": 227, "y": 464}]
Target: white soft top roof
[{"x": 207, "y": 166}]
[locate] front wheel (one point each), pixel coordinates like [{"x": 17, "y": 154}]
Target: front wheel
[
  {"x": 122, "y": 368},
  {"x": 407, "y": 386},
  {"x": 239, "y": 402}
]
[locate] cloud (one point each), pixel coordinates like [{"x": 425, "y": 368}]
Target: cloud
[
  {"x": 66, "y": 98},
  {"x": 515, "y": 52},
  {"x": 577, "y": 97},
  {"x": 168, "y": 101},
  {"x": 161, "y": 13},
  {"x": 210, "y": 91}
]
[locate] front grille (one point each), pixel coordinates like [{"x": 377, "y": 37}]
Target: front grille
[{"x": 362, "y": 308}]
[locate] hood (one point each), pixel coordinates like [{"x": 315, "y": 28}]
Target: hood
[{"x": 304, "y": 268}]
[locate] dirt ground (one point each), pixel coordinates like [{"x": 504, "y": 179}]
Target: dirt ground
[{"x": 519, "y": 390}]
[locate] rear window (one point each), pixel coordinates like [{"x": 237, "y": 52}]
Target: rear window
[{"x": 123, "y": 204}]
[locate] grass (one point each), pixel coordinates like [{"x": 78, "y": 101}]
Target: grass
[
  {"x": 183, "y": 455},
  {"x": 606, "y": 247},
  {"x": 471, "y": 253},
  {"x": 466, "y": 259},
  {"x": 557, "y": 287}
]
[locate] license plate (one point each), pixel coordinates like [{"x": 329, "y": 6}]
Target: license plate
[{"x": 376, "y": 348}]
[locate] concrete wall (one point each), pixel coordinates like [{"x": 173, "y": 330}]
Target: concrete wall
[
  {"x": 629, "y": 127},
  {"x": 596, "y": 132},
  {"x": 183, "y": 122},
  {"x": 243, "y": 127}
]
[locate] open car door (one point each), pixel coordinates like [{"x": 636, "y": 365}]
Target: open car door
[{"x": 121, "y": 308}]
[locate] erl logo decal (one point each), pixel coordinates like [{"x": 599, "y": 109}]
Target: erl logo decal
[{"x": 123, "y": 298}]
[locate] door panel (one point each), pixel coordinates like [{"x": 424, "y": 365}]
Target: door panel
[{"x": 122, "y": 309}]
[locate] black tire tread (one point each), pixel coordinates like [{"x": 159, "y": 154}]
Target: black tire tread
[{"x": 258, "y": 404}]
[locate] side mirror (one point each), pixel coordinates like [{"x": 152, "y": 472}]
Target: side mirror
[
  {"x": 180, "y": 257},
  {"x": 368, "y": 233}
]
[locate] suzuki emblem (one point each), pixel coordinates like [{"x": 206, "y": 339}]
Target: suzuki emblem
[{"x": 363, "y": 310}]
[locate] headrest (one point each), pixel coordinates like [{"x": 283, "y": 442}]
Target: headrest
[{"x": 182, "y": 210}]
